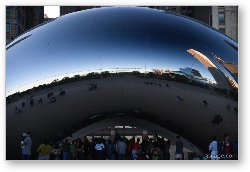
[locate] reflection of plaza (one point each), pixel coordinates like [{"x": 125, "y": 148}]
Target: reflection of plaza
[{"x": 183, "y": 76}]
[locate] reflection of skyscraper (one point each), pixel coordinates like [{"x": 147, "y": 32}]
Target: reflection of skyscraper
[
  {"x": 220, "y": 78},
  {"x": 230, "y": 67},
  {"x": 193, "y": 74},
  {"x": 196, "y": 73}
]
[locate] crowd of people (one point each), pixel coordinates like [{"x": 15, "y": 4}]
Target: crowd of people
[
  {"x": 92, "y": 86},
  {"x": 223, "y": 150},
  {"x": 121, "y": 148}
]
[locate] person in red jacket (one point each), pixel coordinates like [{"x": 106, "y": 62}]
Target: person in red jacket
[{"x": 227, "y": 147}]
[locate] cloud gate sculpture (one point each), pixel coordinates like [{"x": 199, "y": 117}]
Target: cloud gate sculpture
[{"x": 90, "y": 65}]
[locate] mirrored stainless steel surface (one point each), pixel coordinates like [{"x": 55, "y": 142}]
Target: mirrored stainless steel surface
[
  {"x": 120, "y": 39},
  {"x": 161, "y": 67}
]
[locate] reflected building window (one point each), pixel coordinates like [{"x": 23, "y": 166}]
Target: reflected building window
[{"x": 222, "y": 18}]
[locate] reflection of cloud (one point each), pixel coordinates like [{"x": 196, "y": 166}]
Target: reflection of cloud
[{"x": 218, "y": 75}]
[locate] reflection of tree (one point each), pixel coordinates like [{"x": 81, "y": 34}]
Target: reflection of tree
[{"x": 105, "y": 74}]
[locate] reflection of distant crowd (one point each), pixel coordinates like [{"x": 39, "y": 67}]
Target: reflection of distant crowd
[
  {"x": 50, "y": 96},
  {"x": 155, "y": 84},
  {"x": 92, "y": 86},
  {"x": 31, "y": 100},
  {"x": 180, "y": 99}
]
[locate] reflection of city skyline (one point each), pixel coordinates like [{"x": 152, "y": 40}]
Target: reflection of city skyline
[
  {"x": 147, "y": 68},
  {"x": 190, "y": 73},
  {"x": 116, "y": 70},
  {"x": 46, "y": 80}
]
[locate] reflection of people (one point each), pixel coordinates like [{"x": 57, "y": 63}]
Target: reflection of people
[
  {"x": 23, "y": 104},
  {"x": 205, "y": 103},
  {"x": 228, "y": 107},
  {"x": 179, "y": 99},
  {"x": 16, "y": 109},
  {"x": 32, "y": 102},
  {"x": 179, "y": 149},
  {"x": 213, "y": 148},
  {"x": 235, "y": 110},
  {"x": 26, "y": 146},
  {"x": 40, "y": 101}
]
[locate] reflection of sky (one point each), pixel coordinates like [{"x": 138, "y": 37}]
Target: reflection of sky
[{"x": 105, "y": 39}]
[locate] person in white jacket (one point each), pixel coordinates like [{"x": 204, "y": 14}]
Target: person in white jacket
[
  {"x": 26, "y": 146},
  {"x": 213, "y": 148}
]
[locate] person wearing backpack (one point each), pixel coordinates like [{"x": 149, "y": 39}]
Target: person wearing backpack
[{"x": 156, "y": 152}]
